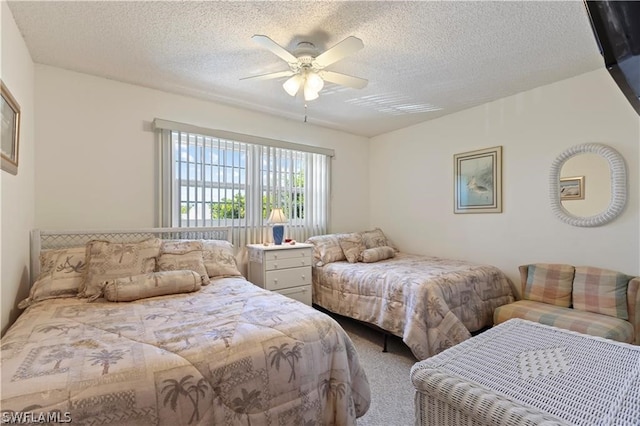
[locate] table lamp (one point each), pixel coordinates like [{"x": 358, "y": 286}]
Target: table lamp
[{"x": 277, "y": 218}]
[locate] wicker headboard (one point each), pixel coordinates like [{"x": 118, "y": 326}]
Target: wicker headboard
[{"x": 48, "y": 240}]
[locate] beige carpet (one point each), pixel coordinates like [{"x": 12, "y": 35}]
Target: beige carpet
[{"x": 388, "y": 374}]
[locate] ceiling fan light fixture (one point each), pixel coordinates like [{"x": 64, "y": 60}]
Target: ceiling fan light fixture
[
  {"x": 306, "y": 70},
  {"x": 314, "y": 82},
  {"x": 309, "y": 93},
  {"x": 292, "y": 85}
]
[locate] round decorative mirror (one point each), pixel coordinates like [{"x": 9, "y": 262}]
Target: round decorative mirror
[{"x": 588, "y": 185}]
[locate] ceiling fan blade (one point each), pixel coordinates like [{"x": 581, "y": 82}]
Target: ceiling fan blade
[
  {"x": 275, "y": 48},
  {"x": 345, "y": 48},
  {"x": 270, "y": 75},
  {"x": 344, "y": 79}
]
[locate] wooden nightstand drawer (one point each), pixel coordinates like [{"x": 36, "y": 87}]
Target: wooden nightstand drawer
[
  {"x": 291, "y": 253},
  {"x": 296, "y": 262},
  {"x": 285, "y": 278},
  {"x": 301, "y": 294}
]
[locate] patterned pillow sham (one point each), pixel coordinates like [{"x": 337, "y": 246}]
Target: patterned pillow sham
[
  {"x": 352, "y": 246},
  {"x": 108, "y": 261},
  {"x": 180, "y": 246},
  {"x": 219, "y": 259},
  {"x": 601, "y": 291},
  {"x": 67, "y": 261},
  {"x": 190, "y": 260},
  {"x": 549, "y": 283},
  {"x": 127, "y": 289},
  {"x": 376, "y": 238},
  {"x": 61, "y": 274},
  {"x": 378, "y": 253},
  {"x": 326, "y": 249}
]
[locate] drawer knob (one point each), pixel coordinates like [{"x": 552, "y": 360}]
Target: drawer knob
[
  {"x": 275, "y": 266},
  {"x": 275, "y": 280},
  {"x": 303, "y": 277}
]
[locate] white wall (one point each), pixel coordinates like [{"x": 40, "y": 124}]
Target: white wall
[
  {"x": 17, "y": 192},
  {"x": 95, "y": 151},
  {"x": 412, "y": 179}
]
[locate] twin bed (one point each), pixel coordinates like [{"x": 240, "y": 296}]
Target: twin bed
[
  {"x": 224, "y": 353},
  {"x": 430, "y": 302}
]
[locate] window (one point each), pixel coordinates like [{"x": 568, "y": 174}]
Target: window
[{"x": 216, "y": 178}]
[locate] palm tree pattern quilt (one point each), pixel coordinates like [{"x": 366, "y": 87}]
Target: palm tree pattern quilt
[
  {"x": 231, "y": 353},
  {"x": 432, "y": 303}
]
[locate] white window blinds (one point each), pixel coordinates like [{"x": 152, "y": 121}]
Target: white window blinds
[{"x": 209, "y": 180}]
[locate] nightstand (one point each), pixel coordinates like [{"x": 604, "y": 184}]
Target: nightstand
[{"x": 284, "y": 268}]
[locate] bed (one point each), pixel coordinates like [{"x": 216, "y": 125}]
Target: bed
[
  {"x": 227, "y": 352},
  {"x": 431, "y": 303}
]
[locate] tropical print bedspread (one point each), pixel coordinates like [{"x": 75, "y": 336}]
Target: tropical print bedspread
[
  {"x": 432, "y": 303},
  {"x": 229, "y": 354}
]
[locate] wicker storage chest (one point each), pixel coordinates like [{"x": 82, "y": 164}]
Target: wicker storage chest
[{"x": 526, "y": 373}]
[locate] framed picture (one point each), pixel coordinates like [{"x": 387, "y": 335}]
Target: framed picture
[
  {"x": 572, "y": 188},
  {"x": 478, "y": 181},
  {"x": 10, "y": 136}
]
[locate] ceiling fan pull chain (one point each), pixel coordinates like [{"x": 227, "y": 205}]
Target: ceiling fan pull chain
[{"x": 305, "y": 112}]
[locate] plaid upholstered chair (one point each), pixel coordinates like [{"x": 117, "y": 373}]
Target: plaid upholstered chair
[{"x": 589, "y": 300}]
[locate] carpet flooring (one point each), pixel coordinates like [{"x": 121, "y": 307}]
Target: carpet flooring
[{"x": 388, "y": 373}]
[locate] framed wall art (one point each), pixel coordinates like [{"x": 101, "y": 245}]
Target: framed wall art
[
  {"x": 478, "y": 181},
  {"x": 572, "y": 188},
  {"x": 10, "y": 136}
]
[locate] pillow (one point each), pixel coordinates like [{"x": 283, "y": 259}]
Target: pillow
[
  {"x": 326, "y": 249},
  {"x": 61, "y": 273},
  {"x": 191, "y": 260},
  {"x": 219, "y": 259},
  {"x": 376, "y": 238},
  {"x": 378, "y": 253},
  {"x": 180, "y": 246},
  {"x": 601, "y": 291},
  {"x": 107, "y": 261},
  {"x": 56, "y": 261},
  {"x": 352, "y": 246},
  {"x": 127, "y": 289},
  {"x": 549, "y": 283}
]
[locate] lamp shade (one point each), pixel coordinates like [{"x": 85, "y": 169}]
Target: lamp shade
[
  {"x": 314, "y": 82},
  {"x": 309, "y": 81},
  {"x": 292, "y": 85},
  {"x": 310, "y": 94},
  {"x": 277, "y": 216}
]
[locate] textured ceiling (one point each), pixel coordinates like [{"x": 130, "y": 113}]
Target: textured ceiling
[{"x": 423, "y": 59}]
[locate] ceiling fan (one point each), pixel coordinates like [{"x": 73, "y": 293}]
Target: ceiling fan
[{"x": 307, "y": 67}]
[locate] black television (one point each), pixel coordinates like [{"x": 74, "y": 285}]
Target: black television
[{"x": 616, "y": 26}]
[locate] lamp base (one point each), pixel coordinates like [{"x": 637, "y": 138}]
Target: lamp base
[{"x": 278, "y": 233}]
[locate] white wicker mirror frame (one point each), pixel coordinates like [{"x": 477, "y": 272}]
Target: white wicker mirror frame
[{"x": 618, "y": 185}]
